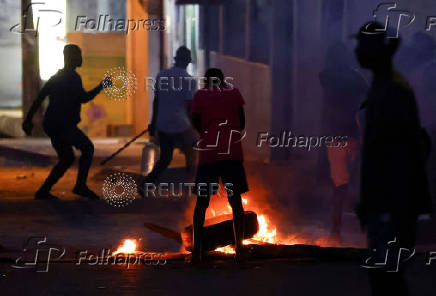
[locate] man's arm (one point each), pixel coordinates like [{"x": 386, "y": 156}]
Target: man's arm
[
  {"x": 27, "y": 124},
  {"x": 87, "y": 96}
]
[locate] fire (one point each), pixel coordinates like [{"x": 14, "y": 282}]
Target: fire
[
  {"x": 227, "y": 249},
  {"x": 128, "y": 247},
  {"x": 266, "y": 233}
]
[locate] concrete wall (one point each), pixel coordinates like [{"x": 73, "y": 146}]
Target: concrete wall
[
  {"x": 101, "y": 52},
  {"x": 137, "y": 62}
]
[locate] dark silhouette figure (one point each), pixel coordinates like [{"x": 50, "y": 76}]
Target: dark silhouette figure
[
  {"x": 170, "y": 122},
  {"x": 344, "y": 89},
  {"x": 394, "y": 187},
  {"x": 66, "y": 94},
  {"x": 218, "y": 115}
]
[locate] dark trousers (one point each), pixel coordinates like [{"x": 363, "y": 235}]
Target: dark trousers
[
  {"x": 167, "y": 143},
  {"x": 388, "y": 239},
  {"x": 63, "y": 142}
]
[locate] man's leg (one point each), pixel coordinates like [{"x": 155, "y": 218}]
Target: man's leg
[
  {"x": 235, "y": 201},
  {"x": 84, "y": 144},
  {"x": 340, "y": 194},
  {"x": 235, "y": 181},
  {"x": 198, "y": 223},
  {"x": 187, "y": 142},
  {"x": 166, "y": 144},
  {"x": 66, "y": 158},
  {"x": 206, "y": 175},
  {"x": 338, "y": 159},
  {"x": 382, "y": 231}
]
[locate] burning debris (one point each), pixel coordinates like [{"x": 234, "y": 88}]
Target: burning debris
[
  {"x": 128, "y": 247},
  {"x": 218, "y": 232}
]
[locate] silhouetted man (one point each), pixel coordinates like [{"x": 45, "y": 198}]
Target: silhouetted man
[
  {"x": 394, "y": 189},
  {"x": 174, "y": 91},
  {"x": 344, "y": 89},
  {"x": 218, "y": 115},
  {"x": 66, "y": 94}
]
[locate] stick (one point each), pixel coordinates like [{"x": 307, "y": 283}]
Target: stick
[{"x": 124, "y": 147}]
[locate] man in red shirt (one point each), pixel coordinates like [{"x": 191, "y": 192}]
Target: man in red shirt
[{"x": 218, "y": 115}]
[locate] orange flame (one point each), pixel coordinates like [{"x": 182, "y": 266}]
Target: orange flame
[
  {"x": 266, "y": 234},
  {"x": 128, "y": 247}
]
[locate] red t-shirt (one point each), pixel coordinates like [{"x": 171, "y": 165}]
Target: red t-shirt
[{"x": 219, "y": 110}]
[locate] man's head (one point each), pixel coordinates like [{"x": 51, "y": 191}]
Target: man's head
[
  {"x": 72, "y": 56},
  {"x": 214, "y": 77},
  {"x": 183, "y": 56},
  {"x": 374, "y": 48}
]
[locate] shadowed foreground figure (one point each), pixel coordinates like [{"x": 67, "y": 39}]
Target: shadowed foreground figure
[
  {"x": 218, "y": 115},
  {"x": 66, "y": 94},
  {"x": 394, "y": 187}
]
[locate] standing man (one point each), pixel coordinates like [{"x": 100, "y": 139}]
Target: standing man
[
  {"x": 394, "y": 187},
  {"x": 66, "y": 94},
  {"x": 174, "y": 91},
  {"x": 218, "y": 115},
  {"x": 344, "y": 89}
]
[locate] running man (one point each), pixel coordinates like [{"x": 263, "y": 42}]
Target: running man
[{"x": 66, "y": 95}]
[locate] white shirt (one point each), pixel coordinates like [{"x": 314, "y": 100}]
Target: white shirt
[{"x": 174, "y": 86}]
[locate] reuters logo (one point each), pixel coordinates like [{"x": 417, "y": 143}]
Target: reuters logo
[
  {"x": 123, "y": 84},
  {"x": 119, "y": 190}
]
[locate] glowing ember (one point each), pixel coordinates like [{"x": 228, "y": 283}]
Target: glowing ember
[
  {"x": 227, "y": 249},
  {"x": 128, "y": 247}
]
